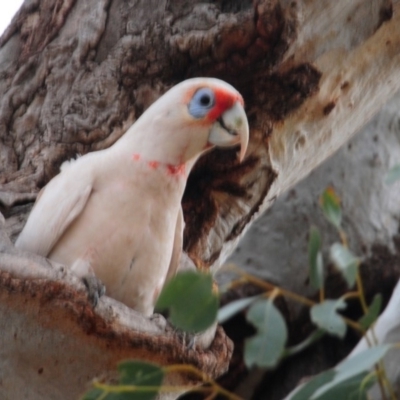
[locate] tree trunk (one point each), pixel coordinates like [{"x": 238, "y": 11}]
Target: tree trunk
[
  {"x": 75, "y": 74},
  {"x": 275, "y": 248}
]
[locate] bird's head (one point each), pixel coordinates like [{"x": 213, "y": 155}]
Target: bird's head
[{"x": 193, "y": 117}]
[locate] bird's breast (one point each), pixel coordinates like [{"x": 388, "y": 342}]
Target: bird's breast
[{"x": 128, "y": 229}]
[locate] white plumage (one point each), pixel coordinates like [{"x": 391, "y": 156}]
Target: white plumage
[{"x": 117, "y": 212}]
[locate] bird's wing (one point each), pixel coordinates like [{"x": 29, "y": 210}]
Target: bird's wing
[
  {"x": 177, "y": 249},
  {"x": 57, "y": 205}
]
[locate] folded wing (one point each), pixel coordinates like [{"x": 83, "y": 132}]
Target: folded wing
[{"x": 57, "y": 206}]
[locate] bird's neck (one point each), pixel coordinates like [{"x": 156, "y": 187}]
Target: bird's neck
[
  {"x": 161, "y": 154},
  {"x": 174, "y": 167},
  {"x": 174, "y": 170}
]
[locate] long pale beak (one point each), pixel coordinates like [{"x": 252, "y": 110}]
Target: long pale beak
[{"x": 230, "y": 129}]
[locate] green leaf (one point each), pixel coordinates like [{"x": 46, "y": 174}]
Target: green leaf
[
  {"x": 345, "y": 261},
  {"x": 351, "y": 367},
  {"x": 325, "y": 316},
  {"x": 393, "y": 175},
  {"x": 346, "y": 381},
  {"x": 132, "y": 373},
  {"x": 312, "y": 338},
  {"x": 93, "y": 394},
  {"x": 266, "y": 347},
  {"x": 373, "y": 311},
  {"x": 315, "y": 259},
  {"x": 228, "y": 311},
  {"x": 360, "y": 362},
  {"x": 330, "y": 203},
  {"x": 354, "y": 388},
  {"x": 191, "y": 303},
  {"x": 140, "y": 373},
  {"x": 307, "y": 390}
]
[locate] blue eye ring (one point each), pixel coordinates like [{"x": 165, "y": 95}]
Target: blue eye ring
[{"x": 202, "y": 102}]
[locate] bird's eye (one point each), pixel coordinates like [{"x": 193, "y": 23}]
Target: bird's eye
[
  {"x": 202, "y": 101},
  {"x": 205, "y": 99}
]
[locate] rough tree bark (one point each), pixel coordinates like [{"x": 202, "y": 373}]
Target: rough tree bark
[{"x": 75, "y": 74}]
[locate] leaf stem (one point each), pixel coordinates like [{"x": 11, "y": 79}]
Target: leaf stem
[
  {"x": 191, "y": 369},
  {"x": 245, "y": 277},
  {"x": 301, "y": 299},
  {"x": 378, "y": 369},
  {"x": 322, "y": 294},
  {"x": 350, "y": 295},
  {"x": 361, "y": 291},
  {"x": 343, "y": 238},
  {"x": 290, "y": 351}
]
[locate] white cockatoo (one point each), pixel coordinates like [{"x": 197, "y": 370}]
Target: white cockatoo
[{"x": 117, "y": 212}]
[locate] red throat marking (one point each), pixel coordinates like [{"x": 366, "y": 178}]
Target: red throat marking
[
  {"x": 153, "y": 164},
  {"x": 170, "y": 169},
  {"x": 176, "y": 169}
]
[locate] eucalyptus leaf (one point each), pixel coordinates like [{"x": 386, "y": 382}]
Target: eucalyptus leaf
[
  {"x": 325, "y": 316},
  {"x": 312, "y": 338},
  {"x": 351, "y": 367},
  {"x": 229, "y": 310},
  {"x": 93, "y": 394},
  {"x": 136, "y": 374},
  {"x": 140, "y": 373},
  {"x": 347, "y": 381},
  {"x": 266, "y": 347},
  {"x": 330, "y": 204},
  {"x": 315, "y": 259},
  {"x": 190, "y": 300},
  {"x": 373, "y": 312},
  {"x": 309, "y": 388},
  {"x": 354, "y": 388},
  {"x": 97, "y": 394},
  {"x": 345, "y": 261}
]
